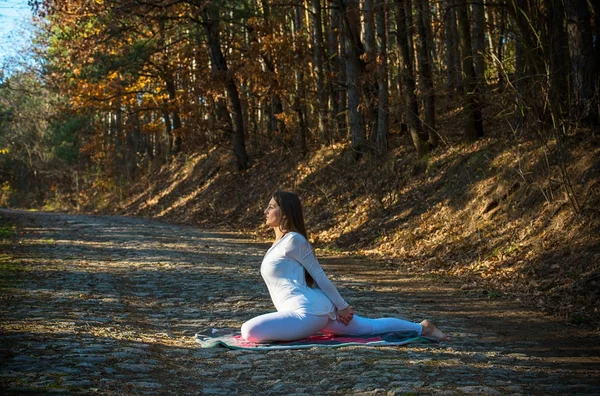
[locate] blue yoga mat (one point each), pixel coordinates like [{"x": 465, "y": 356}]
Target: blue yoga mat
[{"x": 229, "y": 339}]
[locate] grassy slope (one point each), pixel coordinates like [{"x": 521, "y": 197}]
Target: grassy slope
[{"x": 493, "y": 213}]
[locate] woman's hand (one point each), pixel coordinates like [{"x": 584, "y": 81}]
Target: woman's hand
[{"x": 345, "y": 315}]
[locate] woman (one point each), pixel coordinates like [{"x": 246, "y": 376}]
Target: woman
[{"x": 306, "y": 300}]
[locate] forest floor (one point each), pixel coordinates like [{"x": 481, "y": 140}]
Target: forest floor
[{"x": 110, "y": 305}]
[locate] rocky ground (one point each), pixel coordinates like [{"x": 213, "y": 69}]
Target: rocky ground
[{"x": 110, "y": 305}]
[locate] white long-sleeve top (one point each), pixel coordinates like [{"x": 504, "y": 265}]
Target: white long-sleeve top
[{"x": 282, "y": 269}]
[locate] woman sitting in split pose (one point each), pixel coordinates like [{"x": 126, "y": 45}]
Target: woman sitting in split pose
[{"x": 290, "y": 270}]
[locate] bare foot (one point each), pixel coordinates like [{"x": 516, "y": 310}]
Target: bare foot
[{"x": 429, "y": 330}]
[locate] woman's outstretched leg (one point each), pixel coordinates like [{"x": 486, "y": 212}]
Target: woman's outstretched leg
[
  {"x": 360, "y": 325},
  {"x": 282, "y": 326},
  {"x": 364, "y": 326}
]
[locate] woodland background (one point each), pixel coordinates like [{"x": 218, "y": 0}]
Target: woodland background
[{"x": 459, "y": 139}]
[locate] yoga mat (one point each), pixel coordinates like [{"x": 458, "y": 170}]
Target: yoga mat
[{"x": 227, "y": 338}]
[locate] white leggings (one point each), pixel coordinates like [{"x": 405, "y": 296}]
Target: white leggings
[{"x": 289, "y": 325}]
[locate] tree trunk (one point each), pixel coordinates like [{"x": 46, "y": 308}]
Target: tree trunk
[
  {"x": 382, "y": 78},
  {"x": 527, "y": 23},
  {"x": 224, "y": 120},
  {"x": 472, "y": 111},
  {"x": 426, "y": 80},
  {"x": 149, "y": 141},
  {"x": 478, "y": 23},
  {"x": 531, "y": 65},
  {"x": 132, "y": 146},
  {"x": 353, "y": 50},
  {"x": 300, "y": 97},
  {"x": 370, "y": 87},
  {"x": 253, "y": 119},
  {"x": 271, "y": 125},
  {"x": 210, "y": 20},
  {"x": 492, "y": 29},
  {"x": 453, "y": 67},
  {"x": 581, "y": 49},
  {"x": 499, "y": 34},
  {"x": 332, "y": 66},
  {"x": 318, "y": 52},
  {"x": 118, "y": 163},
  {"x": 338, "y": 66},
  {"x": 276, "y": 107},
  {"x": 246, "y": 91},
  {"x": 277, "y": 123},
  {"x": 596, "y": 105},
  {"x": 520, "y": 82},
  {"x": 429, "y": 34},
  {"x": 556, "y": 47},
  {"x": 408, "y": 81},
  {"x": 410, "y": 30},
  {"x": 168, "y": 127},
  {"x": 449, "y": 41},
  {"x": 175, "y": 136}
]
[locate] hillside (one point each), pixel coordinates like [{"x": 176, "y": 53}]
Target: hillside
[{"x": 493, "y": 214}]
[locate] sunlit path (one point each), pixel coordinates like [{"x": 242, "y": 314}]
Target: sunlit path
[{"x": 111, "y": 304}]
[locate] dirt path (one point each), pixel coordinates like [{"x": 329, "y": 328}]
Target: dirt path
[{"x": 111, "y": 304}]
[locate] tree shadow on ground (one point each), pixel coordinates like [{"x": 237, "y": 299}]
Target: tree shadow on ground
[{"x": 490, "y": 333}]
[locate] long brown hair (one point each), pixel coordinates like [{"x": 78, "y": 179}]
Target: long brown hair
[{"x": 290, "y": 205}]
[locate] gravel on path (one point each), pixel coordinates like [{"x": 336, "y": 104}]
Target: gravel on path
[{"x": 110, "y": 305}]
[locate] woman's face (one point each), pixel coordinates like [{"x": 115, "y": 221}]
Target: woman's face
[{"x": 273, "y": 214}]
